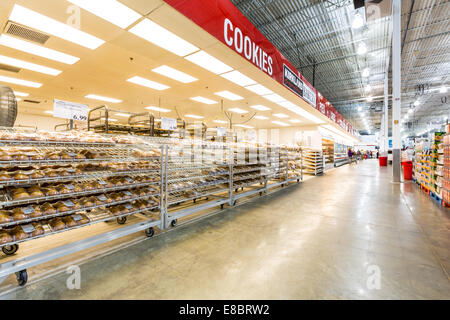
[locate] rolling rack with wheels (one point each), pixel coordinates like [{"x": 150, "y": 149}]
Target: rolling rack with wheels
[{"x": 55, "y": 184}]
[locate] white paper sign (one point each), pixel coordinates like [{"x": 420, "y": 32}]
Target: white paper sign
[
  {"x": 70, "y": 110},
  {"x": 168, "y": 124},
  {"x": 221, "y": 132}
]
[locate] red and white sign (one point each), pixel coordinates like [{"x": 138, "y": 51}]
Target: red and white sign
[{"x": 225, "y": 22}]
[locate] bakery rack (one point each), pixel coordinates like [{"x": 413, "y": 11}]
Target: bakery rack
[{"x": 312, "y": 161}]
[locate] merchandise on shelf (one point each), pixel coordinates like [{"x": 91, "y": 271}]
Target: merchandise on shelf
[
  {"x": 446, "y": 170},
  {"x": 312, "y": 161},
  {"x": 437, "y": 163}
]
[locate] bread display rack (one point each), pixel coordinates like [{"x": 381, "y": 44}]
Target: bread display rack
[
  {"x": 53, "y": 183},
  {"x": 312, "y": 161}
]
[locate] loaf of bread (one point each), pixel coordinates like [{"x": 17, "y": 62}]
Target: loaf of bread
[
  {"x": 47, "y": 209},
  {"x": 19, "y": 193},
  {"x": 61, "y": 207},
  {"x": 50, "y": 191},
  {"x": 5, "y": 217},
  {"x": 37, "y": 174},
  {"x": 65, "y": 156},
  {"x": 84, "y": 219},
  {"x": 38, "y": 230},
  {"x": 51, "y": 173},
  {"x": 86, "y": 202},
  {"x": 5, "y": 176},
  {"x": 70, "y": 223},
  {"x": 5, "y": 237},
  {"x": 18, "y": 234},
  {"x": 57, "y": 224},
  {"x": 35, "y": 192}
]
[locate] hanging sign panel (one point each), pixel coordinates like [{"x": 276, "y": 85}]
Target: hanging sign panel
[
  {"x": 168, "y": 124},
  {"x": 70, "y": 110}
]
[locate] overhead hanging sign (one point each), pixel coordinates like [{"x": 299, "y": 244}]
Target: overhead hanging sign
[
  {"x": 70, "y": 110},
  {"x": 168, "y": 124}
]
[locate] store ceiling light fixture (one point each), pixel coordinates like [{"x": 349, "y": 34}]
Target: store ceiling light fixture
[
  {"x": 300, "y": 111},
  {"x": 220, "y": 121},
  {"x": 158, "y": 109},
  {"x": 362, "y": 48},
  {"x": 366, "y": 72},
  {"x": 358, "y": 21},
  {"x": 119, "y": 114},
  {"x": 154, "y": 33},
  {"x": 228, "y": 95},
  {"x": 294, "y": 121},
  {"x": 109, "y": 10},
  {"x": 281, "y": 115},
  {"x": 28, "y": 47},
  {"x": 443, "y": 89},
  {"x": 102, "y": 98},
  {"x": 259, "y": 89},
  {"x": 148, "y": 83},
  {"x": 275, "y": 98},
  {"x": 20, "y": 82},
  {"x": 238, "y": 78},
  {"x": 50, "y": 26},
  {"x": 243, "y": 126},
  {"x": 48, "y": 112},
  {"x": 194, "y": 116},
  {"x": 109, "y": 119},
  {"x": 281, "y": 123},
  {"x": 261, "y": 117},
  {"x": 416, "y": 103},
  {"x": 238, "y": 110},
  {"x": 21, "y": 94},
  {"x": 260, "y": 107},
  {"x": 174, "y": 74},
  {"x": 203, "y": 100},
  {"x": 28, "y": 66},
  {"x": 208, "y": 62}
]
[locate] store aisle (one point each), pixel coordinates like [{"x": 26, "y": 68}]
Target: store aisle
[{"x": 328, "y": 238}]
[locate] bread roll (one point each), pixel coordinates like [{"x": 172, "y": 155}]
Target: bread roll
[
  {"x": 61, "y": 207},
  {"x": 52, "y": 156},
  {"x": 5, "y": 176},
  {"x": 37, "y": 174},
  {"x": 70, "y": 223},
  {"x": 19, "y": 193},
  {"x": 51, "y": 173},
  {"x": 65, "y": 156},
  {"x": 57, "y": 224},
  {"x": 116, "y": 210},
  {"x": 84, "y": 219},
  {"x": 5, "y": 237},
  {"x": 86, "y": 202},
  {"x": 38, "y": 230},
  {"x": 63, "y": 189},
  {"x": 21, "y": 157},
  {"x": 36, "y": 193},
  {"x": 18, "y": 234},
  {"x": 20, "y": 175},
  {"x": 50, "y": 191}
]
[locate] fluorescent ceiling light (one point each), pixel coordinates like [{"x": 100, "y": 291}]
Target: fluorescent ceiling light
[
  {"x": 153, "y": 108},
  {"x": 259, "y": 89},
  {"x": 261, "y": 117},
  {"x": 174, "y": 74},
  {"x": 362, "y": 48},
  {"x": 208, "y": 62},
  {"x": 21, "y": 82},
  {"x": 109, "y": 119},
  {"x": 48, "y": 112},
  {"x": 154, "y": 33},
  {"x": 358, "y": 21},
  {"x": 119, "y": 114},
  {"x": 193, "y": 116},
  {"x": 274, "y": 98},
  {"x": 243, "y": 126},
  {"x": 281, "y": 123},
  {"x": 295, "y": 121},
  {"x": 416, "y": 103},
  {"x": 110, "y": 10},
  {"x": 203, "y": 100},
  {"x": 34, "y": 49},
  {"x": 18, "y": 99},
  {"x": 148, "y": 83},
  {"x": 220, "y": 121},
  {"x": 443, "y": 89},
  {"x": 47, "y": 25},
  {"x": 300, "y": 111},
  {"x": 280, "y": 115},
  {"x": 238, "y": 110},
  {"x": 228, "y": 95},
  {"x": 21, "y": 94},
  {"x": 260, "y": 107},
  {"x": 101, "y": 98},
  {"x": 238, "y": 78},
  {"x": 366, "y": 72},
  {"x": 28, "y": 66}
]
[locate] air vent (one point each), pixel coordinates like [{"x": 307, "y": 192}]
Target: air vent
[
  {"x": 9, "y": 68},
  {"x": 31, "y": 101},
  {"x": 26, "y": 33}
]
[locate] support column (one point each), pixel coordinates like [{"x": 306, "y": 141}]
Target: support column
[
  {"x": 396, "y": 89},
  {"x": 386, "y": 110}
]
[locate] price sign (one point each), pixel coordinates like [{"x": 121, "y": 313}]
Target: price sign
[
  {"x": 70, "y": 110},
  {"x": 168, "y": 124},
  {"x": 221, "y": 132}
]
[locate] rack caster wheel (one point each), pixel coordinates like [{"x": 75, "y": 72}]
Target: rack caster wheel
[
  {"x": 260, "y": 194},
  {"x": 22, "y": 277},
  {"x": 234, "y": 203},
  {"x": 122, "y": 220},
  {"x": 221, "y": 206},
  {"x": 9, "y": 250},
  {"x": 173, "y": 223},
  {"x": 150, "y": 232}
]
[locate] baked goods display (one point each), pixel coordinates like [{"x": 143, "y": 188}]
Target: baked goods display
[{"x": 53, "y": 182}]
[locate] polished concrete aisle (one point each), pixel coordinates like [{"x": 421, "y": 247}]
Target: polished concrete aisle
[{"x": 349, "y": 234}]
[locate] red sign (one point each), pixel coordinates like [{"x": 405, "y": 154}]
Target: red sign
[{"x": 225, "y": 22}]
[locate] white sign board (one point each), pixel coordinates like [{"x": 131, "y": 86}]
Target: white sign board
[
  {"x": 168, "y": 124},
  {"x": 221, "y": 132},
  {"x": 70, "y": 110}
]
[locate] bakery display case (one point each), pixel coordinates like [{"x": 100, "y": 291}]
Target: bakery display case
[
  {"x": 328, "y": 152},
  {"x": 312, "y": 161}
]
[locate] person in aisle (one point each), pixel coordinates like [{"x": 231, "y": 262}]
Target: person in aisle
[
  {"x": 350, "y": 154},
  {"x": 358, "y": 155},
  {"x": 371, "y": 154}
]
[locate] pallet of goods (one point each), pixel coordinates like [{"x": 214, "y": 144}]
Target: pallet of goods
[
  {"x": 446, "y": 170},
  {"x": 437, "y": 165}
]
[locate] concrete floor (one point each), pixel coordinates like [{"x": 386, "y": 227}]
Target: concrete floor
[{"x": 324, "y": 239}]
